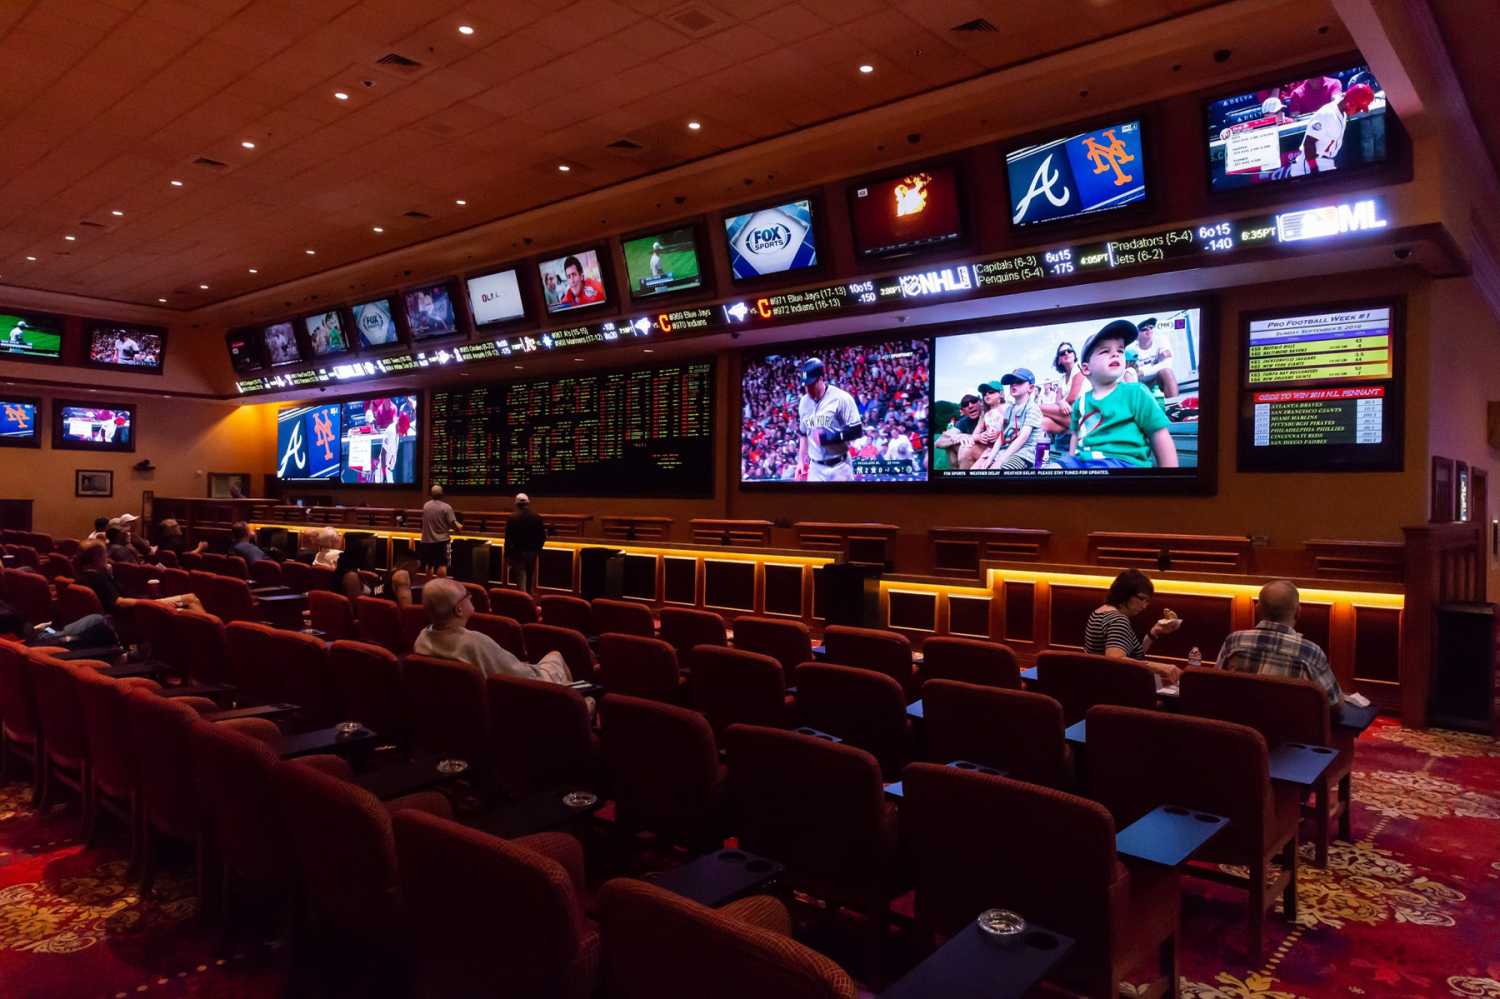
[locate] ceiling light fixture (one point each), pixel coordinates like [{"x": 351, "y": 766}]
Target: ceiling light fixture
[
  {"x": 71, "y": 238},
  {"x": 32, "y": 259},
  {"x": 376, "y": 228},
  {"x": 866, "y": 68},
  {"x": 465, "y": 29},
  {"x": 117, "y": 213},
  {"x": 341, "y": 95},
  {"x": 311, "y": 253},
  {"x": 248, "y": 144},
  {"x": 563, "y": 168},
  {"x": 176, "y": 183},
  {"x": 694, "y": 126},
  {"x": 162, "y": 301},
  {"x": 203, "y": 286},
  {"x": 254, "y": 271},
  {"x": 460, "y": 202}
]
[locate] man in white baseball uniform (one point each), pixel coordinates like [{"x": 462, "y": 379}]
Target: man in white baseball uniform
[
  {"x": 827, "y": 420},
  {"x": 1324, "y": 136}
]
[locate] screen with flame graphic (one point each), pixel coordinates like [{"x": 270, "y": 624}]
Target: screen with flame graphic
[{"x": 912, "y": 212}]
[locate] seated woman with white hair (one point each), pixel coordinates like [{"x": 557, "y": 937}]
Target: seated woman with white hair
[
  {"x": 447, "y": 636},
  {"x": 327, "y": 541}
]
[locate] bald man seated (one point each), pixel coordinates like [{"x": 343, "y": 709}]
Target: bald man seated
[
  {"x": 447, "y": 636},
  {"x": 1275, "y": 648}
]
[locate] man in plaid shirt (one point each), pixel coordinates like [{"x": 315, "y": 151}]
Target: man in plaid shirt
[{"x": 1274, "y": 648}]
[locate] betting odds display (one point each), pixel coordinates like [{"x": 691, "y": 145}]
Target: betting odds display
[
  {"x": 615, "y": 433},
  {"x": 1320, "y": 392}
]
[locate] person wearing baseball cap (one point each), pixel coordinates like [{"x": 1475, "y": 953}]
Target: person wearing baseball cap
[
  {"x": 1324, "y": 135},
  {"x": 1116, "y": 423},
  {"x": 1153, "y": 358},
  {"x": 828, "y": 418},
  {"x": 957, "y": 438},
  {"x": 656, "y": 268},
  {"x": 525, "y": 535},
  {"x": 1020, "y": 426}
]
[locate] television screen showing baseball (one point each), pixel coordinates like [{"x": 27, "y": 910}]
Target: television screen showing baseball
[
  {"x": 1309, "y": 127},
  {"x": 1112, "y": 395},
  {"x": 30, "y": 337},
  {"x": 430, "y": 313},
  {"x": 663, "y": 262},
  {"x": 281, "y": 344},
  {"x": 131, "y": 347},
  {"x": 848, "y": 412},
  {"x": 378, "y": 444}
]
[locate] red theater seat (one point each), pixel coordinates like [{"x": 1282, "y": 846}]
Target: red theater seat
[
  {"x": 449, "y": 711},
  {"x": 788, "y": 642},
  {"x": 513, "y": 603},
  {"x": 367, "y": 687},
  {"x": 970, "y": 660},
  {"x": 622, "y": 617},
  {"x": 331, "y": 613},
  {"x": 504, "y": 630},
  {"x": 574, "y": 648},
  {"x": 871, "y": 648},
  {"x": 380, "y": 623},
  {"x": 664, "y": 771},
  {"x": 1015, "y": 731},
  {"x": 567, "y": 612},
  {"x": 74, "y": 602},
  {"x": 732, "y": 685},
  {"x": 1079, "y": 681},
  {"x": 684, "y": 628},
  {"x": 541, "y": 736},
  {"x": 863, "y": 707},
  {"x": 640, "y": 667}
]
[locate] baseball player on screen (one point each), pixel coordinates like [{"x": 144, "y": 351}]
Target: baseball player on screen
[
  {"x": 827, "y": 420},
  {"x": 1324, "y": 136}
]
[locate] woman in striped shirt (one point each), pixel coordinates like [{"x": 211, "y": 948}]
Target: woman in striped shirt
[{"x": 1109, "y": 632}]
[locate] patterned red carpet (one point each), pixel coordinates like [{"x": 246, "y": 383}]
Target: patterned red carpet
[{"x": 1410, "y": 909}]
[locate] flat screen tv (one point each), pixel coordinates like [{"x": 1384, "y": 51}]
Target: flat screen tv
[
  {"x": 375, "y": 323},
  {"x": 660, "y": 263},
  {"x": 79, "y": 426},
  {"x": 19, "y": 416},
  {"x": 308, "y": 443},
  {"x": 776, "y": 239},
  {"x": 1115, "y": 393},
  {"x": 246, "y": 351},
  {"x": 1087, "y": 173},
  {"x": 495, "y": 298},
  {"x": 915, "y": 211},
  {"x": 281, "y": 344},
  {"x": 1291, "y": 131},
  {"x": 848, "y": 411},
  {"x": 430, "y": 312},
  {"x": 573, "y": 281},
  {"x": 127, "y": 348},
  {"x": 30, "y": 336},
  {"x": 378, "y": 441},
  {"x": 326, "y": 335},
  {"x": 1322, "y": 389}
]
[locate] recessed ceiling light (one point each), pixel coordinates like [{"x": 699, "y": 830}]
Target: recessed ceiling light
[
  {"x": 465, "y": 29},
  {"x": 866, "y": 68},
  {"x": 254, "y": 271},
  {"x": 563, "y": 167},
  {"x": 311, "y": 253},
  {"x": 32, "y": 259},
  {"x": 460, "y": 202},
  {"x": 648, "y": 350},
  {"x": 694, "y": 126},
  {"x": 376, "y": 228},
  {"x": 248, "y": 144},
  {"x": 176, "y": 183},
  {"x": 516, "y": 366},
  {"x": 341, "y": 95},
  {"x": 117, "y": 213},
  {"x": 162, "y": 301},
  {"x": 577, "y": 358},
  {"x": 204, "y": 287},
  {"x": 70, "y": 237}
]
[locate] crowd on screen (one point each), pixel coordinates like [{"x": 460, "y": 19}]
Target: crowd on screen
[{"x": 889, "y": 382}]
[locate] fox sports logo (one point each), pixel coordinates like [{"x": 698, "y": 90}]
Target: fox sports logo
[{"x": 768, "y": 239}]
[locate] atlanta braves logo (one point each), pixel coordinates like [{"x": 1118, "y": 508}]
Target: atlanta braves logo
[
  {"x": 323, "y": 434},
  {"x": 1042, "y": 183},
  {"x": 1108, "y": 156}
]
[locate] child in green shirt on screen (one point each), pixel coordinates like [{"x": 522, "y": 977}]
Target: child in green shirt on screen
[{"x": 1116, "y": 423}]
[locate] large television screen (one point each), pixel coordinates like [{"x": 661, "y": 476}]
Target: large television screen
[
  {"x": 496, "y": 298},
  {"x": 845, "y": 412},
  {"x": 635, "y": 432},
  {"x": 308, "y": 443},
  {"x": 662, "y": 262},
  {"x": 88, "y": 427},
  {"x": 379, "y": 441},
  {"x": 1081, "y": 174},
  {"x": 773, "y": 240},
  {"x": 1113, "y": 395},
  {"x": 574, "y": 281},
  {"x": 430, "y": 312},
  {"x": 1321, "y": 390},
  {"x": 18, "y": 422},
  {"x": 281, "y": 344},
  {"x": 326, "y": 334},
  {"x": 246, "y": 351},
  {"x": 130, "y": 348},
  {"x": 28, "y": 336},
  {"x": 375, "y": 322},
  {"x": 912, "y": 212},
  {"x": 1315, "y": 126}
]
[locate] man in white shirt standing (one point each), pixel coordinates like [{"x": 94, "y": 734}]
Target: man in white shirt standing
[
  {"x": 1153, "y": 359},
  {"x": 447, "y": 636},
  {"x": 827, "y": 420}
]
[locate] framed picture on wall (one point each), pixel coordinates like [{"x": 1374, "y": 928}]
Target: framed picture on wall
[
  {"x": 228, "y": 485},
  {"x": 1442, "y": 490},
  {"x": 95, "y": 482}
]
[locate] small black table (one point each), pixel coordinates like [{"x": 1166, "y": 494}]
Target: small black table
[
  {"x": 258, "y": 711},
  {"x": 1077, "y": 733},
  {"x": 540, "y": 812},
  {"x": 323, "y": 740},
  {"x": 1168, "y": 835},
  {"x": 1029, "y": 674},
  {"x": 719, "y": 878},
  {"x": 915, "y": 710},
  {"x": 1299, "y": 763},
  {"x": 1353, "y": 717},
  {"x": 970, "y": 966},
  {"x": 420, "y": 774}
]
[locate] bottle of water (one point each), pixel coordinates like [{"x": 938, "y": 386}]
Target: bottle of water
[{"x": 1195, "y": 657}]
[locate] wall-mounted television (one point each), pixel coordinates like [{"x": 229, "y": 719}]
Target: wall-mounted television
[
  {"x": 375, "y": 322},
  {"x": 430, "y": 311},
  {"x": 246, "y": 351},
  {"x": 326, "y": 335},
  {"x": 776, "y": 239},
  {"x": 378, "y": 441},
  {"x": 573, "y": 281},
  {"x": 127, "y": 348},
  {"x": 1322, "y": 389},
  {"x": 840, "y": 412},
  {"x": 662, "y": 262},
  {"x": 915, "y": 211},
  {"x": 308, "y": 444},
  {"x": 90, "y": 426},
  {"x": 20, "y": 418},
  {"x": 1086, "y": 173},
  {"x": 495, "y": 298},
  {"x": 281, "y": 344},
  {"x": 30, "y": 336},
  {"x": 1291, "y": 131},
  {"x": 1108, "y": 394}
]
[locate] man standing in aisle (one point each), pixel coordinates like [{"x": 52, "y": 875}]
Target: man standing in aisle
[
  {"x": 438, "y": 524},
  {"x": 827, "y": 420},
  {"x": 525, "y": 534}
]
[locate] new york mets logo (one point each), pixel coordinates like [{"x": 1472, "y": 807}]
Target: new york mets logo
[
  {"x": 323, "y": 434},
  {"x": 1109, "y": 156},
  {"x": 911, "y": 194},
  {"x": 18, "y": 416}
]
